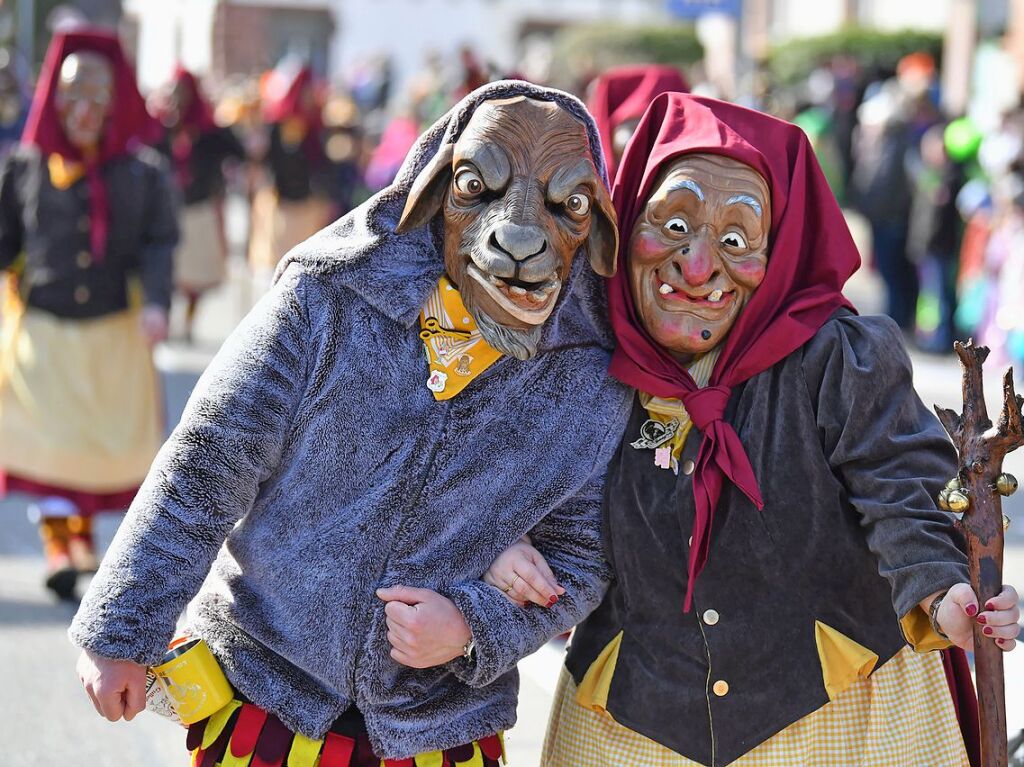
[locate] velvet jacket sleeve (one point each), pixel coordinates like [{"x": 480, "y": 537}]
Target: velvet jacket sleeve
[
  {"x": 159, "y": 238},
  {"x": 570, "y": 540},
  {"x": 11, "y": 230},
  {"x": 205, "y": 478},
  {"x": 889, "y": 452}
]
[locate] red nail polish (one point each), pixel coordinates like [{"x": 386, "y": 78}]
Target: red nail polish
[
  {"x": 989, "y": 606},
  {"x": 972, "y": 610},
  {"x": 982, "y": 619},
  {"x": 987, "y": 630},
  {"x": 553, "y": 600}
]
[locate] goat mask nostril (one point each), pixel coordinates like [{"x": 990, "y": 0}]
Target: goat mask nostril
[{"x": 493, "y": 242}]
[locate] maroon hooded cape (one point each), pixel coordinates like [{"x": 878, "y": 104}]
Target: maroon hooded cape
[
  {"x": 811, "y": 256},
  {"x": 624, "y": 93},
  {"x": 129, "y": 123}
]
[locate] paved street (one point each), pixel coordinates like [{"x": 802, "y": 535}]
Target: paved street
[{"x": 45, "y": 718}]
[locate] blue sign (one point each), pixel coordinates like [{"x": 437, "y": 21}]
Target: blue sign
[{"x": 692, "y": 9}]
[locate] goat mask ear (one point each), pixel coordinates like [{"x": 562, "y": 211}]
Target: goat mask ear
[
  {"x": 603, "y": 241},
  {"x": 428, "y": 190}
]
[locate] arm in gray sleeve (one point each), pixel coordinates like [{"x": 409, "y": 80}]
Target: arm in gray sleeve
[
  {"x": 889, "y": 451},
  {"x": 159, "y": 239},
  {"x": 204, "y": 479},
  {"x": 11, "y": 231},
  {"x": 570, "y": 540}
]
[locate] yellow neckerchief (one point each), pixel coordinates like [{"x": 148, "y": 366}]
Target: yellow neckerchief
[
  {"x": 64, "y": 173},
  {"x": 293, "y": 131},
  {"x": 455, "y": 349},
  {"x": 666, "y": 410}
]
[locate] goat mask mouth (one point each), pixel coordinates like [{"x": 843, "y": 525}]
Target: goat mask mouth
[
  {"x": 520, "y": 196},
  {"x": 530, "y": 303}
]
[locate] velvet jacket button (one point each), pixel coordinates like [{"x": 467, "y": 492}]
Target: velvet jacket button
[
  {"x": 721, "y": 688},
  {"x": 688, "y": 466},
  {"x": 84, "y": 259},
  {"x": 711, "y": 617},
  {"x": 81, "y": 294}
]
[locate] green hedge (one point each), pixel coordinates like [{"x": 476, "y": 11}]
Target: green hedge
[
  {"x": 583, "y": 50},
  {"x": 795, "y": 59}
]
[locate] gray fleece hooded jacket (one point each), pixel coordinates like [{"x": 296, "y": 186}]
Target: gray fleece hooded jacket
[{"x": 312, "y": 466}]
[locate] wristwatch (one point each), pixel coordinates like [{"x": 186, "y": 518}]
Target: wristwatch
[{"x": 469, "y": 650}]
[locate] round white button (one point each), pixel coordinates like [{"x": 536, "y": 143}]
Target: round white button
[
  {"x": 721, "y": 688},
  {"x": 688, "y": 466},
  {"x": 711, "y": 617}
]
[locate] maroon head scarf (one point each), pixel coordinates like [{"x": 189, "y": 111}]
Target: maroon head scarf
[
  {"x": 283, "y": 97},
  {"x": 195, "y": 121},
  {"x": 624, "y": 93},
  {"x": 283, "y": 101},
  {"x": 128, "y": 123},
  {"x": 810, "y": 258}
]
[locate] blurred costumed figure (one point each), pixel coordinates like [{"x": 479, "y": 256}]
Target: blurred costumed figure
[
  {"x": 619, "y": 98},
  {"x": 88, "y": 226},
  {"x": 880, "y": 189},
  {"x": 14, "y": 102},
  {"x": 295, "y": 204},
  {"x": 933, "y": 241},
  {"x": 197, "y": 149},
  {"x": 343, "y": 147}
]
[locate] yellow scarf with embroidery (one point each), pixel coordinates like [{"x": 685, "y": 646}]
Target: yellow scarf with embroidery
[
  {"x": 668, "y": 410},
  {"x": 456, "y": 350}
]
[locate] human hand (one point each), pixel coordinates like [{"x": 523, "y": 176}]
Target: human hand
[
  {"x": 153, "y": 322},
  {"x": 425, "y": 629},
  {"x": 958, "y": 612},
  {"x": 523, "y": 575},
  {"x": 117, "y": 687}
]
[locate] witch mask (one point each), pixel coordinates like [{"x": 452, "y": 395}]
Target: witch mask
[
  {"x": 84, "y": 98},
  {"x": 699, "y": 250},
  {"x": 519, "y": 195}
]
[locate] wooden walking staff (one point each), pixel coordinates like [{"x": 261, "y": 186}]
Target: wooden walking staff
[{"x": 976, "y": 492}]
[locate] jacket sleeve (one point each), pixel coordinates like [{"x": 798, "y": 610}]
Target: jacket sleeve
[
  {"x": 205, "y": 478},
  {"x": 889, "y": 451},
  {"x": 570, "y": 540},
  {"x": 11, "y": 231},
  {"x": 159, "y": 239}
]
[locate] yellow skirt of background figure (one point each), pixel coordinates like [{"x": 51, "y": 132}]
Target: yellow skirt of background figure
[
  {"x": 279, "y": 225},
  {"x": 80, "y": 404},
  {"x": 199, "y": 261},
  {"x": 900, "y": 715}
]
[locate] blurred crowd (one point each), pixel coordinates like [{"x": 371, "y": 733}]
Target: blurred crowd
[{"x": 942, "y": 197}]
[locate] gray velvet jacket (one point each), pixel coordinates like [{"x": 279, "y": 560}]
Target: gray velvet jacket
[{"x": 313, "y": 466}]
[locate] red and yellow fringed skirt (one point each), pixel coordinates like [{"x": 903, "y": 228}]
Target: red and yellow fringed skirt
[{"x": 244, "y": 735}]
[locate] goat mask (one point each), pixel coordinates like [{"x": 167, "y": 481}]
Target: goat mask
[{"x": 519, "y": 194}]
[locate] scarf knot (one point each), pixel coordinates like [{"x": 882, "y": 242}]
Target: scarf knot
[{"x": 706, "y": 405}]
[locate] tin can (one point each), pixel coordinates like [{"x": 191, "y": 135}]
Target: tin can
[{"x": 188, "y": 685}]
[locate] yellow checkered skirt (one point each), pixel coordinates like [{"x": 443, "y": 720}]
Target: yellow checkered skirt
[{"x": 900, "y": 715}]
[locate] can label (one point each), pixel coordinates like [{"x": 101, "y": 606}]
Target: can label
[{"x": 157, "y": 699}]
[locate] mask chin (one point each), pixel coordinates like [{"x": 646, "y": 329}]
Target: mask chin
[{"x": 514, "y": 342}]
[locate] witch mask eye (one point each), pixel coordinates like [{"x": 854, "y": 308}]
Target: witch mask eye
[
  {"x": 677, "y": 225},
  {"x": 733, "y": 240}
]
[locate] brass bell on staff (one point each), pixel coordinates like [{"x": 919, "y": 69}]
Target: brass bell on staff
[
  {"x": 958, "y": 501},
  {"x": 1006, "y": 484}
]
